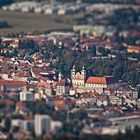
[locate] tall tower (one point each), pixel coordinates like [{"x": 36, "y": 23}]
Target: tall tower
[
  {"x": 59, "y": 76},
  {"x": 73, "y": 72},
  {"x": 83, "y": 73}
]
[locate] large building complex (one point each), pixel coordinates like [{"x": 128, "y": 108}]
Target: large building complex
[{"x": 82, "y": 83}]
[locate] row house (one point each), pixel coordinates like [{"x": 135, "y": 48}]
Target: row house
[
  {"x": 12, "y": 85},
  {"x": 92, "y": 98}
]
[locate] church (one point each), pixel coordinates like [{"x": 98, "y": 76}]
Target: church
[{"x": 82, "y": 83}]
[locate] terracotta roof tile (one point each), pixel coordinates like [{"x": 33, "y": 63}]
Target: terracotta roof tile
[
  {"x": 135, "y": 48},
  {"x": 96, "y": 80},
  {"x": 44, "y": 84},
  {"x": 103, "y": 80},
  {"x": 12, "y": 83}
]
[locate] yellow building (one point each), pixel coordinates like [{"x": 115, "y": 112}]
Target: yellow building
[{"x": 15, "y": 43}]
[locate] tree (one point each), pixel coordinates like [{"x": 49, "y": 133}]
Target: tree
[{"x": 7, "y": 124}]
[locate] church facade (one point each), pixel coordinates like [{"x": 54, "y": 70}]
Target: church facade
[{"x": 82, "y": 83}]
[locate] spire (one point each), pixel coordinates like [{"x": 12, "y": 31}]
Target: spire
[
  {"x": 73, "y": 71},
  {"x": 73, "y": 68},
  {"x": 83, "y": 68},
  {"x": 83, "y": 72},
  {"x": 59, "y": 76}
]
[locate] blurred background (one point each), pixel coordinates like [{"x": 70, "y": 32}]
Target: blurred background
[{"x": 45, "y": 15}]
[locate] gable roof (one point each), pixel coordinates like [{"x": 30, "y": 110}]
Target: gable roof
[
  {"x": 96, "y": 80},
  {"x": 134, "y": 48},
  {"x": 12, "y": 83},
  {"x": 62, "y": 83},
  {"x": 103, "y": 80}
]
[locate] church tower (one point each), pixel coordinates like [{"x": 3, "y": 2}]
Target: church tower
[
  {"x": 73, "y": 72},
  {"x": 83, "y": 73},
  {"x": 59, "y": 76}
]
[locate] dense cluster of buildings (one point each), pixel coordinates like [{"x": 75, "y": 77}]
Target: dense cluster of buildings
[
  {"x": 47, "y": 7},
  {"x": 29, "y": 79},
  {"x": 50, "y": 7}
]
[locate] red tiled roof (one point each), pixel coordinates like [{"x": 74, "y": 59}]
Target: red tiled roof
[
  {"x": 23, "y": 74},
  {"x": 103, "y": 80},
  {"x": 54, "y": 84},
  {"x": 5, "y": 71},
  {"x": 61, "y": 105},
  {"x": 62, "y": 83},
  {"x": 85, "y": 40},
  {"x": 135, "y": 48},
  {"x": 96, "y": 80},
  {"x": 44, "y": 84},
  {"x": 12, "y": 83}
]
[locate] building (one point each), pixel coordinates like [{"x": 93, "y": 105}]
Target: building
[
  {"x": 96, "y": 30},
  {"x": 27, "y": 124},
  {"x": 26, "y": 96},
  {"x": 82, "y": 83},
  {"x": 12, "y": 85},
  {"x": 15, "y": 43},
  {"x": 42, "y": 124},
  {"x": 62, "y": 87},
  {"x": 133, "y": 49},
  {"x": 45, "y": 88}
]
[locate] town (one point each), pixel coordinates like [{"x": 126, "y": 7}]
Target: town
[
  {"x": 70, "y": 69},
  {"x": 49, "y": 85}
]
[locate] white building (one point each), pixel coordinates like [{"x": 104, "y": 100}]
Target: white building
[
  {"x": 27, "y": 96},
  {"x": 42, "y": 124},
  {"x": 82, "y": 83}
]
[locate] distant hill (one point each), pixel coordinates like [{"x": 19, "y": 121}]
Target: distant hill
[
  {"x": 6, "y": 2},
  {"x": 111, "y": 1}
]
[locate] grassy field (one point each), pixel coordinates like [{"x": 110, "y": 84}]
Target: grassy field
[{"x": 29, "y": 22}]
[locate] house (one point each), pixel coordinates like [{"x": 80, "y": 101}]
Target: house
[
  {"x": 127, "y": 92},
  {"x": 133, "y": 49},
  {"x": 15, "y": 43},
  {"x": 7, "y": 41},
  {"x": 45, "y": 88},
  {"x": 86, "y": 98},
  {"x": 96, "y": 30},
  {"x": 62, "y": 88},
  {"x": 115, "y": 100},
  {"x": 12, "y": 85},
  {"x": 61, "y": 106},
  {"x": 72, "y": 92},
  {"x": 4, "y": 74},
  {"x": 26, "y": 96},
  {"x": 22, "y": 75},
  {"x": 15, "y": 122}
]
